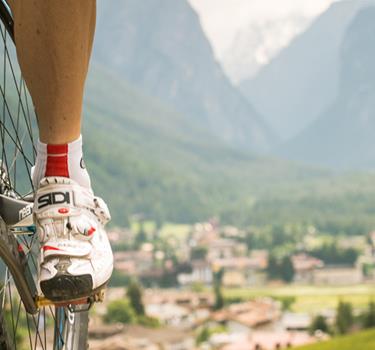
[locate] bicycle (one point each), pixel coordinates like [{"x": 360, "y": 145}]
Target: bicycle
[{"x": 27, "y": 319}]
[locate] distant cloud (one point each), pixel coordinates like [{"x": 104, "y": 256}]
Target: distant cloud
[
  {"x": 228, "y": 22},
  {"x": 221, "y": 19}
]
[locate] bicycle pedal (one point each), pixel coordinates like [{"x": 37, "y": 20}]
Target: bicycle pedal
[{"x": 96, "y": 297}]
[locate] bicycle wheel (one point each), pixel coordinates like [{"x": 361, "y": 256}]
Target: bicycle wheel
[{"x": 50, "y": 327}]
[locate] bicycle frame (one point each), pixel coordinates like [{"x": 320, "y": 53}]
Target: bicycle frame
[{"x": 12, "y": 213}]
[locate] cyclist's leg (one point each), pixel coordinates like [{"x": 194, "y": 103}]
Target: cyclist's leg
[{"x": 54, "y": 41}]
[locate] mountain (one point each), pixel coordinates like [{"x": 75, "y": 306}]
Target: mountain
[
  {"x": 166, "y": 169},
  {"x": 141, "y": 153},
  {"x": 257, "y": 43},
  {"x": 303, "y": 80},
  {"x": 147, "y": 158},
  {"x": 343, "y": 136},
  {"x": 159, "y": 47}
]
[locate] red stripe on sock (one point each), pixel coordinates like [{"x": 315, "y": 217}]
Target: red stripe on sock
[
  {"x": 57, "y": 160},
  {"x": 57, "y": 166},
  {"x": 57, "y": 149}
]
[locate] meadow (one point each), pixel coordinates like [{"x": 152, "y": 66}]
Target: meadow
[
  {"x": 308, "y": 298},
  {"x": 359, "y": 341}
]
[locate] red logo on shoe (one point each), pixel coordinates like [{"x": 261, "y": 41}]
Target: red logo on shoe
[
  {"x": 49, "y": 247},
  {"x": 91, "y": 231},
  {"x": 63, "y": 210}
]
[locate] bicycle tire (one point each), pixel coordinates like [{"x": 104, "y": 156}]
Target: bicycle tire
[{"x": 18, "y": 329}]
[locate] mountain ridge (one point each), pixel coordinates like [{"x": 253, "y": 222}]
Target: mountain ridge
[
  {"x": 343, "y": 135},
  {"x": 140, "y": 166},
  {"x": 161, "y": 49},
  {"x": 146, "y": 157},
  {"x": 303, "y": 80}
]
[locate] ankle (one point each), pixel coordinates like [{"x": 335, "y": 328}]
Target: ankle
[{"x": 64, "y": 160}]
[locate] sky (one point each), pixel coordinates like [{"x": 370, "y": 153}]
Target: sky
[{"x": 224, "y": 20}]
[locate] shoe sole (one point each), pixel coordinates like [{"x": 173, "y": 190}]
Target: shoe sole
[{"x": 64, "y": 287}]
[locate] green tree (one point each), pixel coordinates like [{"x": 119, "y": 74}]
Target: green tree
[
  {"x": 120, "y": 311},
  {"x": 197, "y": 287},
  {"x": 287, "y": 269},
  {"x": 219, "y": 299},
  {"x": 134, "y": 293},
  {"x": 118, "y": 279},
  {"x": 141, "y": 236},
  {"x": 203, "y": 336},
  {"x": 331, "y": 253},
  {"x": 278, "y": 235},
  {"x": 206, "y": 332},
  {"x": 344, "y": 317},
  {"x": 218, "y": 276},
  {"x": 272, "y": 267},
  {"x": 286, "y": 302},
  {"x": 369, "y": 316},
  {"x": 168, "y": 279},
  {"x": 199, "y": 253},
  {"x": 319, "y": 323},
  {"x": 148, "y": 321}
]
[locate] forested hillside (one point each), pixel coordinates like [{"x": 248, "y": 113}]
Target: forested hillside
[
  {"x": 146, "y": 158},
  {"x": 151, "y": 166},
  {"x": 159, "y": 47}
]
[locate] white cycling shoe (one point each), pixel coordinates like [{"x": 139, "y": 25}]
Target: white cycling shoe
[{"x": 76, "y": 259}]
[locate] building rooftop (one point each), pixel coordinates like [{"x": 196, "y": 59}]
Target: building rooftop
[{"x": 251, "y": 314}]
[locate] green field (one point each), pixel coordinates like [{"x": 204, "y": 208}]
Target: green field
[
  {"x": 175, "y": 230},
  {"x": 167, "y": 230},
  {"x": 360, "y": 341},
  {"x": 148, "y": 226},
  {"x": 309, "y": 298}
]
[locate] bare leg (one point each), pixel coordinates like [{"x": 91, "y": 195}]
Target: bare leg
[{"x": 54, "y": 41}]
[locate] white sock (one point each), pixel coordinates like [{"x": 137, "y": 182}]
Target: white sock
[{"x": 61, "y": 160}]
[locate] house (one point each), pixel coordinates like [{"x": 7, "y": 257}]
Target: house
[
  {"x": 243, "y": 317},
  {"x": 241, "y": 271},
  {"x": 201, "y": 273},
  {"x": 141, "y": 338},
  {"x": 304, "y": 266},
  {"x": 296, "y": 321},
  {"x": 133, "y": 262},
  {"x": 166, "y": 338},
  {"x": 224, "y": 248},
  {"x": 183, "y": 309},
  {"x": 338, "y": 275},
  {"x": 232, "y": 232},
  {"x": 204, "y": 234},
  {"x": 118, "y": 235},
  {"x": 103, "y": 331},
  {"x": 262, "y": 340},
  {"x": 188, "y": 299},
  {"x": 168, "y": 313},
  {"x": 122, "y": 342},
  {"x": 261, "y": 255}
]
